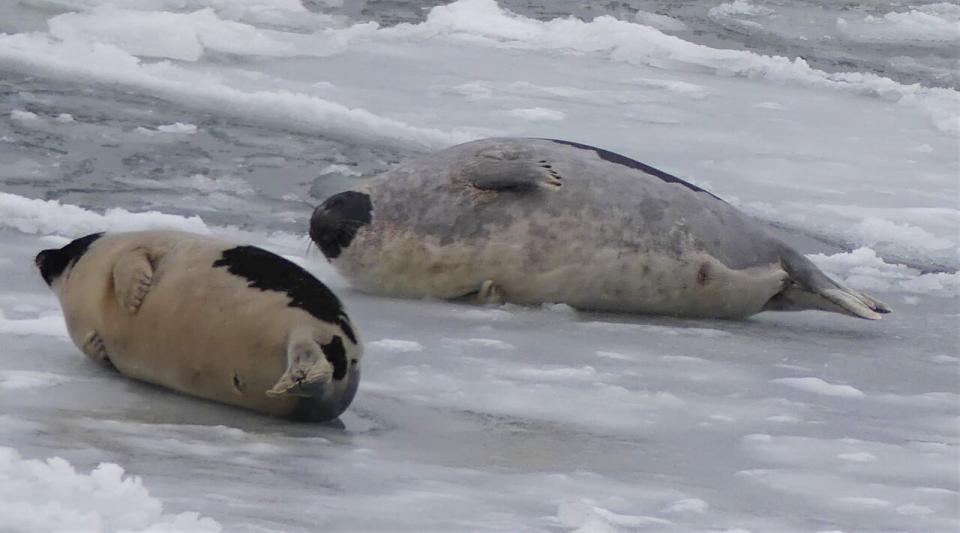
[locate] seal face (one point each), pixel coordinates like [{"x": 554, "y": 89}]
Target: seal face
[
  {"x": 546, "y": 220},
  {"x": 231, "y": 323},
  {"x": 53, "y": 262},
  {"x": 336, "y": 221}
]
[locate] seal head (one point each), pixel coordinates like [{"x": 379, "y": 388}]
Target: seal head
[
  {"x": 54, "y": 262},
  {"x": 335, "y": 222}
]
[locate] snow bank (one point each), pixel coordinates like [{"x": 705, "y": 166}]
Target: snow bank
[
  {"x": 819, "y": 386},
  {"x": 50, "y": 217},
  {"x": 53, "y": 218},
  {"x": 863, "y": 269},
  {"x": 52, "y": 496},
  {"x": 106, "y": 63},
  {"x": 285, "y": 13},
  {"x": 182, "y": 36}
]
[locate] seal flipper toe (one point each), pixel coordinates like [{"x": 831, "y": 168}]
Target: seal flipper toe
[{"x": 132, "y": 278}]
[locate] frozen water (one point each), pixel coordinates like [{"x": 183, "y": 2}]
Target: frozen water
[{"x": 234, "y": 117}]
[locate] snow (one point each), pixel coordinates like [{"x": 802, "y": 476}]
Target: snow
[
  {"x": 233, "y": 118},
  {"x": 819, "y": 386},
  {"x": 52, "y": 496}
]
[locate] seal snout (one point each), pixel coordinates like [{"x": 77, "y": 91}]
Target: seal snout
[
  {"x": 328, "y": 401},
  {"x": 335, "y": 222}
]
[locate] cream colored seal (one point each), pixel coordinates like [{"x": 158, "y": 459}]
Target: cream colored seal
[
  {"x": 539, "y": 220},
  {"x": 209, "y": 318}
]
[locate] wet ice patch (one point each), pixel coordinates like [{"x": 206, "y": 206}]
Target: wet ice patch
[
  {"x": 559, "y": 374},
  {"x": 50, "y": 325},
  {"x": 660, "y": 22},
  {"x": 484, "y": 343},
  {"x": 11, "y": 380},
  {"x": 932, "y": 25},
  {"x": 821, "y": 387},
  {"x": 688, "y": 505},
  {"x": 739, "y": 7},
  {"x": 395, "y": 346},
  {"x": 585, "y": 515},
  {"x": 659, "y": 330},
  {"x": 537, "y": 114},
  {"x": 50, "y": 495}
]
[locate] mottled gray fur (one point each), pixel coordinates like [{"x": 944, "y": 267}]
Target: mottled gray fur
[{"x": 553, "y": 221}]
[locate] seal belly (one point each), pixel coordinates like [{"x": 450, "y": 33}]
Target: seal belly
[{"x": 232, "y": 351}]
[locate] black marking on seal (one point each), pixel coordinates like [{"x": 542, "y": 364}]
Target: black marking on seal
[
  {"x": 618, "y": 159},
  {"x": 703, "y": 274},
  {"x": 53, "y": 262},
  {"x": 269, "y": 272},
  {"x": 336, "y": 221},
  {"x": 337, "y": 357}
]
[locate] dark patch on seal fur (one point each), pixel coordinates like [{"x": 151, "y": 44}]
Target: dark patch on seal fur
[
  {"x": 54, "y": 261},
  {"x": 703, "y": 274},
  {"x": 335, "y": 222},
  {"x": 269, "y": 272},
  {"x": 618, "y": 159},
  {"x": 336, "y": 356}
]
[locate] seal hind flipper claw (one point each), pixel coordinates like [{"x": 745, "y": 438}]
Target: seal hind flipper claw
[
  {"x": 307, "y": 368},
  {"x": 501, "y": 170},
  {"x": 132, "y": 278}
]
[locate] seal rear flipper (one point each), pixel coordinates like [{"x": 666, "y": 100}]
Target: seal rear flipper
[
  {"x": 807, "y": 287},
  {"x": 132, "y": 277},
  {"x": 308, "y": 369},
  {"x": 94, "y": 348},
  {"x": 503, "y": 170}
]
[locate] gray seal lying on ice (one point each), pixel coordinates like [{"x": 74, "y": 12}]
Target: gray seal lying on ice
[
  {"x": 538, "y": 220},
  {"x": 209, "y": 318}
]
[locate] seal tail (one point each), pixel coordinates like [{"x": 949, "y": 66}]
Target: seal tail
[{"x": 807, "y": 287}]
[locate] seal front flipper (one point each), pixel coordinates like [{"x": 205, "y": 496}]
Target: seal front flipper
[
  {"x": 308, "y": 367},
  {"x": 132, "y": 277},
  {"x": 490, "y": 293},
  {"x": 506, "y": 170},
  {"x": 807, "y": 287}
]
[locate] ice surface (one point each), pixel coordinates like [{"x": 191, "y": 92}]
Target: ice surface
[{"x": 233, "y": 118}]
